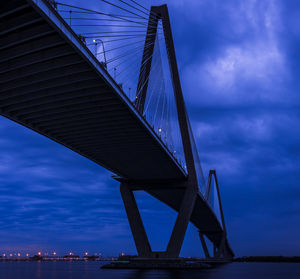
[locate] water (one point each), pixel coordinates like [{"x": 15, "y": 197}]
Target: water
[{"x": 91, "y": 270}]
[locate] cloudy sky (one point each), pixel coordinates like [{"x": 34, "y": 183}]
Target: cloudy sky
[{"x": 239, "y": 63}]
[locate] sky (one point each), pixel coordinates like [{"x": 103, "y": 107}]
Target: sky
[{"x": 239, "y": 66}]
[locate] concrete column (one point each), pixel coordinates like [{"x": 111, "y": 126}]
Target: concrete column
[
  {"x": 221, "y": 247},
  {"x": 182, "y": 221},
  {"x": 135, "y": 221},
  {"x": 205, "y": 250}
]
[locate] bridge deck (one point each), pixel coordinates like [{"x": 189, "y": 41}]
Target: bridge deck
[{"x": 52, "y": 84}]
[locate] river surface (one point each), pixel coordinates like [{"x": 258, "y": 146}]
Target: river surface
[{"x": 91, "y": 270}]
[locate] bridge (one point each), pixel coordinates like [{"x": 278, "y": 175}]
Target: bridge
[{"x": 53, "y": 83}]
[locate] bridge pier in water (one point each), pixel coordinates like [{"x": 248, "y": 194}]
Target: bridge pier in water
[
  {"x": 138, "y": 231},
  {"x": 135, "y": 221},
  {"x": 170, "y": 258},
  {"x": 139, "y": 234}
]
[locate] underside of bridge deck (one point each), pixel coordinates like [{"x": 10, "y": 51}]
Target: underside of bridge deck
[{"x": 50, "y": 85}]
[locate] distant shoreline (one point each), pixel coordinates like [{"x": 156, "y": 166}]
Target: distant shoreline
[
  {"x": 58, "y": 259},
  {"x": 269, "y": 259},
  {"x": 254, "y": 259}
]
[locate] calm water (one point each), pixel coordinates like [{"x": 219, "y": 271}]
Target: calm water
[{"x": 91, "y": 270}]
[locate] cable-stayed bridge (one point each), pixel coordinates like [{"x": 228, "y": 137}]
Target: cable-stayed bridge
[{"x": 105, "y": 83}]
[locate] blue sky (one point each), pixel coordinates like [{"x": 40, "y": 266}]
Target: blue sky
[{"x": 239, "y": 64}]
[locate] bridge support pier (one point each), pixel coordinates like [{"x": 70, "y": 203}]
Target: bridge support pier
[
  {"x": 221, "y": 250},
  {"x": 182, "y": 221},
  {"x": 138, "y": 230},
  {"x": 204, "y": 246},
  {"x": 135, "y": 221}
]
